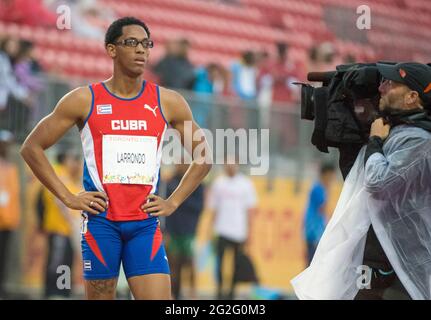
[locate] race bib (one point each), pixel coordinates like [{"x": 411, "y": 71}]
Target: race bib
[{"x": 129, "y": 159}]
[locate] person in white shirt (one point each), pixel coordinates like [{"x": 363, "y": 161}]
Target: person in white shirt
[{"x": 232, "y": 200}]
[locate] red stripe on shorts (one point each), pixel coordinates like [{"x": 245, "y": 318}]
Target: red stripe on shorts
[{"x": 94, "y": 247}]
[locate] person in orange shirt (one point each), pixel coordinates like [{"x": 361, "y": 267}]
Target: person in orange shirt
[{"x": 9, "y": 203}]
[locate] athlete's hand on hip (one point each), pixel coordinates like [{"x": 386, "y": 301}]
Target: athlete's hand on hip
[
  {"x": 157, "y": 206},
  {"x": 91, "y": 202}
]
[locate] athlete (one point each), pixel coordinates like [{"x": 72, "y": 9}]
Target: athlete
[{"x": 122, "y": 122}]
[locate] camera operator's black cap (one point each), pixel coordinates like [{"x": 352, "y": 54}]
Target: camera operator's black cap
[{"x": 416, "y": 76}]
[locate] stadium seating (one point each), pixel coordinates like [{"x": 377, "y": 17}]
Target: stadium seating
[{"x": 220, "y": 31}]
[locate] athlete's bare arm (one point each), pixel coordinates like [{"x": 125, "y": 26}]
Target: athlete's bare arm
[
  {"x": 71, "y": 110},
  {"x": 177, "y": 112}
]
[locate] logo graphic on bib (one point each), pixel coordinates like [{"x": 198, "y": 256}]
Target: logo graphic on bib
[{"x": 153, "y": 110}]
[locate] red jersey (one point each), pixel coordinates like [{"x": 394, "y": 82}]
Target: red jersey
[{"x": 122, "y": 144}]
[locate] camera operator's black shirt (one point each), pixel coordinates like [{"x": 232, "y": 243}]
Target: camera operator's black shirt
[
  {"x": 374, "y": 255},
  {"x": 348, "y": 155}
]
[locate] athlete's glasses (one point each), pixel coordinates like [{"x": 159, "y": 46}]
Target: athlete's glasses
[{"x": 133, "y": 43}]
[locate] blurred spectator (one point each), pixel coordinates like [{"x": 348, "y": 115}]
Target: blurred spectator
[
  {"x": 349, "y": 58},
  {"x": 11, "y": 46},
  {"x": 26, "y": 68},
  {"x": 61, "y": 224},
  {"x": 175, "y": 69},
  {"x": 244, "y": 85},
  {"x": 9, "y": 49},
  {"x": 33, "y": 13},
  {"x": 277, "y": 91},
  {"x": 209, "y": 81},
  {"x": 244, "y": 75},
  {"x": 312, "y": 59},
  {"x": 262, "y": 58},
  {"x": 14, "y": 97},
  {"x": 181, "y": 233},
  {"x": 9, "y": 204},
  {"x": 316, "y": 214},
  {"x": 278, "y": 74},
  {"x": 322, "y": 58},
  {"x": 26, "y": 71},
  {"x": 264, "y": 96},
  {"x": 231, "y": 200}
]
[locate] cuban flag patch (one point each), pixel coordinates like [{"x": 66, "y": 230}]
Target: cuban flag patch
[{"x": 104, "y": 109}]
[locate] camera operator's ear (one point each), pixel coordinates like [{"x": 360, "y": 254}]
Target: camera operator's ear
[{"x": 412, "y": 98}]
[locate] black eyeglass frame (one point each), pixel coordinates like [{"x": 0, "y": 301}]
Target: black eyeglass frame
[{"x": 146, "y": 43}]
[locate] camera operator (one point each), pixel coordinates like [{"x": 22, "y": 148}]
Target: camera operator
[
  {"x": 405, "y": 99},
  {"x": 377, "y": 244},
  {"x": 390, "y": 160}
]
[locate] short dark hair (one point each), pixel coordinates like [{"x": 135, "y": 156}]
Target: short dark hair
[
  {"x": 248, "y": 57},
  {"x": 61, "y": 156},
  {"x": 327, "y": 167},
  {"x": 282, "y": 47},
  {"x": 25, "y": 48},
  {"x": 184, "y": 42},
  {"x": 115, "y": 30}
]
